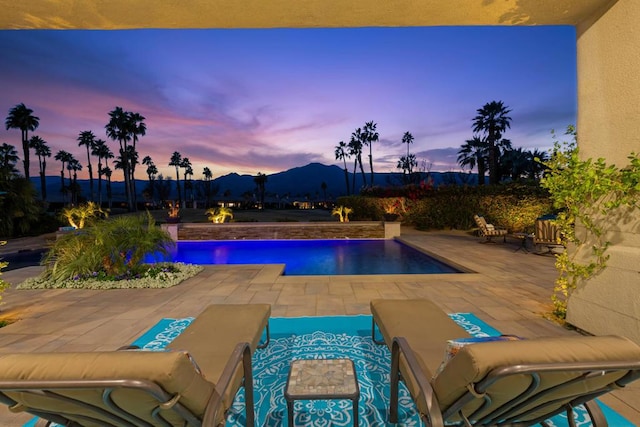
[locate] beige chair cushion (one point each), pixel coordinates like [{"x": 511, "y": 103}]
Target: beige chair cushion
[
  {"x": 425, "y": 326},
  {"x": 214, "y": 334},
  {"x": 173, "y": 371},
  {"x": 472, "y": 363}
]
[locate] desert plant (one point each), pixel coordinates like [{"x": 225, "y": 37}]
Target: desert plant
[
  {"x": 592, "y": 197},
  {"x": 78, "y": 216},
  {"x": 113, "y": 247},
  {"x": 174, "y": 210},
  {"x": 219, "y": 215},
  {"x": 342, "y": 212}
]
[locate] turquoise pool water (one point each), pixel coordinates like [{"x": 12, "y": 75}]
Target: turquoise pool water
[{"x": 314, "y": 257}]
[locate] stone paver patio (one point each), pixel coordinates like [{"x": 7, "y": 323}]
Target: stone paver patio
[{"x": 509, "y": 290}]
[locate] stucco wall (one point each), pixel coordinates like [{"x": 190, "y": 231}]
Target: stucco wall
[
  {"x": 609, "y": 84},
  {"x": 609, "y": 127}
]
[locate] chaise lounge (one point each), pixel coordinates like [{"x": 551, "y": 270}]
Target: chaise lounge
[
  {"x": 191, "y": 384},
  {"x": 522, "y": 382},
  {"x": 488, "y": 231}
]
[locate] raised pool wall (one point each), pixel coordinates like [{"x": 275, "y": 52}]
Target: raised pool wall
[{"x": 284, "y": 230}]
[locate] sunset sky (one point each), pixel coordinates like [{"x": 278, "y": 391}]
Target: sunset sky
[{"x": 250, "y": 101}]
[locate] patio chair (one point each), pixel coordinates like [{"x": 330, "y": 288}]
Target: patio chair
[
  {"x": 547, "y": 236},
  {"x": 151, "y": 388},
  {"x": 499, "y": 383},
  {"x": 488, "y": 231}
]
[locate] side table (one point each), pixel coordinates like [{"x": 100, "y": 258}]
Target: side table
[
  {"x": 523, "y": 237},
  {"x": 322, "y": 379}
]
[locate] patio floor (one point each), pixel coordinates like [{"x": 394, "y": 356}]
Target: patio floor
[{"x": 509, "y": 289}]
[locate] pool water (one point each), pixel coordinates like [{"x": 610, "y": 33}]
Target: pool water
[{"x": 314, "y": 257}]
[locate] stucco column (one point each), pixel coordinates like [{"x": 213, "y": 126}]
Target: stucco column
[{"x": 609, "y": 127}]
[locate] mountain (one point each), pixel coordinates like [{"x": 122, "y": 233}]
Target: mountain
[{"x": 299, "y": 182}]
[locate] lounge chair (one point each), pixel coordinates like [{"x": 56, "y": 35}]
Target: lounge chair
[
  {"x": 519, "y": 383},
  {"x": 191, "y": 384},
  {"x": 488, "y": 231},
  {"x": 547, "y": 237}
]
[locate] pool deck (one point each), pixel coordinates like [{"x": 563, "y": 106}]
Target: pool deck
[{"x": 509, "y": 289}]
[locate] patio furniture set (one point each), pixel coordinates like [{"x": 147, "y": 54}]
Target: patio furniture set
[
  {"x": 545, "y": 238},
  {"x": 193, "y": 383}
]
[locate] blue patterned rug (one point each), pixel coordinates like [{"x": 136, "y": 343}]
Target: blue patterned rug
[{"x": 331, "y": 337}]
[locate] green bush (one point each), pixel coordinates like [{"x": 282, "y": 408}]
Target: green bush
[
  {"x": 511, "y": 206},
  {"x": 113, "y": 247}
]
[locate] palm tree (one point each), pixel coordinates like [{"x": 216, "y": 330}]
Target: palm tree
[
  {"x": 176, "y": 160},
  {"x": 342, "y": 154},
  {"x": 21, "y": 117},
  {"x": 492, "y": 120},
  {"x": 474, "y": 153},
  {"x": 8, "y": 159},
  {"x": 119, "y": 129},
  {"x": 74, "y": 166},
  {"x": 185, "y": 163},
  {"x": 106, "y": 171},
  {"x": 206, "y": 172},
  {"x": 41, "y": 149},
  {"x": 152, "y": 171},
  {"x": 102, "y": 151},
  {"x": 370, "y": 135},
  {"x": 502, "y": 149},
  {"x": 138, "y": 128},
  {"x": 261, "y": 180},
  {"x": 88, "y": 139},
  {"x": 407, "y": 138},
  {"x": 65, "y": 157},
  {"x": 516, "y": 163},
  {"x": 538, "y": 159},
  {"x": 409, "y": 161},
  {"x": 355, "y": 150}
]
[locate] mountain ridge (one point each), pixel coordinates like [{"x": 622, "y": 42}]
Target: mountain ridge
[{"x": 298, "y": 182}]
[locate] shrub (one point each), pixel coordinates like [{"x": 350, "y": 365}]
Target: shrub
[
  {"x": 219, "y": 215},
  {"x": 511, "y": 206},
  {"x": 77, "y": 216},
  {"x": 115, "y": 247}
]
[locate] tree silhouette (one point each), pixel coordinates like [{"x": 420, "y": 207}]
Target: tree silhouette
[
  {"x": 369, "y": 136},
  {"x": 261, "y": 180},
  {"x": 65, "y": 157},
  {"x": 41, "y": 149},
  {"x": 152, "y": 171},
  {"x": 21, "y": 117},
  {"x": 74, "y": 166},
  {"x": 137, "y": 128},
  {"x": 355, "y": 150},
  {"x": 119, "y": 129},
  {"x": 206, "y": 172},
  {"x": 342, "y": 153},
  {"x": 185, "y": 163},
  {"x": 8, "y": 160},
  {"x": 492, "y": 120},
  {"x": 88, "y": 140},
  {"x": 474, "y": 153},
  {"x": 176, "y": 160},
  {"x": 102, "y": 151},
  {"x": 106, "y": 171},
  {"x": 408, "y": 162}
]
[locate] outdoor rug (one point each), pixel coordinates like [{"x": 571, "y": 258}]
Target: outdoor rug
[{"x": 331, "y": 337}]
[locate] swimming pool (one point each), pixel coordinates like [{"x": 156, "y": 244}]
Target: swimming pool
[{"x": 314, "y": 257}]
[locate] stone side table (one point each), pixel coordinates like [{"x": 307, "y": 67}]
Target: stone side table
[{"x": 322, "y": 379}]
